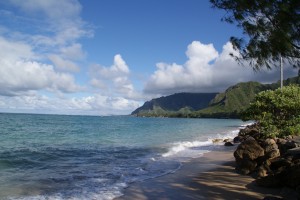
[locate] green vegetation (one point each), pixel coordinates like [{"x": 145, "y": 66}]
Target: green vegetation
[
  {"x": 228, "y": 104},
  {"x": 231, "y": 102},
  {"x": 176, "y": 105},
  {"x": 272, "y": 27},
  {"x": 276, "y": 111}
]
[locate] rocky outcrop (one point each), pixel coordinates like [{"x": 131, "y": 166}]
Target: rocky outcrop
[
  {"x": 247, "y": 155},
  {"x": 274, "y": 162}
]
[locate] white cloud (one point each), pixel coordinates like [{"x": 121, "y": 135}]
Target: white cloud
[
  {"x": 20, "y": 77},
  {"x": 73, "y": 51},
  {"x": 59, "y": 17},
  {"x": 119, "y": 68},
  {"x": 63, "y": 64},
  {"x": 92, "y": 105},
  {"x": 205, "y": 71},
  {"x": 115, "y": 77},
  {"x": 14, "y": 50},
  {"x": 41, "y": 32}
]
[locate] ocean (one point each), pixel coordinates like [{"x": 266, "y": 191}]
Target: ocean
[{"x": 92, "y": 157}]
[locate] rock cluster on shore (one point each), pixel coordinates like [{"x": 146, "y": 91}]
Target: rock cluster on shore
[{"x": 274, "y": 162}]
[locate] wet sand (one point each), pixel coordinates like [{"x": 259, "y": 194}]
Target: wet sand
[{"x": 211, "y": 176}]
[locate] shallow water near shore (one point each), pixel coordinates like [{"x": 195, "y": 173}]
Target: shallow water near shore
[{"x": 89, "y": 157}]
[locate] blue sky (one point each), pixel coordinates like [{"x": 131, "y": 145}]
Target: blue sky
[{"x": 103, "y": 57}]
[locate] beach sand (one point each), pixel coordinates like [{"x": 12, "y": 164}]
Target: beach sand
[{"x": 211, "y": 176}]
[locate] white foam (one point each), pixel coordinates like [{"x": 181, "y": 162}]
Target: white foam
[
  {"x": 190, "y": 149},
  {"x": 182, "y": 146}
]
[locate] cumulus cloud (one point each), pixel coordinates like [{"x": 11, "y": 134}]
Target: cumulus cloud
[
  {"x": 63, "y": 64},
  {"x": 40, "y": 50},
  {"x": 205, "y": 71},
  {"x": 116, "y": 77},
  {"x": 21, "y": 75},
  {"x": 92, "y": 105}
]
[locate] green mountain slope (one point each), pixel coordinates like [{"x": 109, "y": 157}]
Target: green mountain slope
[
  {"x": 176, "y": 104},
  {"x": 223, "y": 105}
]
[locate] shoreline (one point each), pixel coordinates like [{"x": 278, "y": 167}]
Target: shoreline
[{"x": 211, "y": 176}]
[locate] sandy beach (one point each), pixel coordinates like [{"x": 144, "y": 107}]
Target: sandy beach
[{"x": 211, "y": 176}]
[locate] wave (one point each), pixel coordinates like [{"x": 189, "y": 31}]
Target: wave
[{"x": 197, "y": 148}]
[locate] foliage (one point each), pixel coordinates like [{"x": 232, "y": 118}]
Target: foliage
[
  {"x": 273, "y": 27},
  {"x": 228, "y": 104},
  {"x": 278, "y": 112}
]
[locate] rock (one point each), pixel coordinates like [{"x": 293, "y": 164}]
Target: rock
[
  {"x": 281, "y": 141},
  {"x": 280, "y": 164},
  {"x": 217, "y": 140},
  {"x": 290, "y": 145},
  {"x": 245, "y": 166},
  {"x": 294, "y": 151},
  {"x": 273, "y": 154},
  {"x": 270, "y": 148},
  {"x": 289, "y": 137},
  {"x": 285, "y": 145},
  {"x": 249, "y": 149},
  {"x": 262, "y": 171},
  {"x": 291, "y": 176},
  {"x": 268, "y": 181},
  {"x": 246, "y": 155},
  {"x": 249, "y": 130},
  {"x": 226, "y": 140},
  {"x": 238, "y": 139},
  {"x": 228, "y": 144},
  {"x": 296, "y": 139},
  {"x": 249, "y": 138}
]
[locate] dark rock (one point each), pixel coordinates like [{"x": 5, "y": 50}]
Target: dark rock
[
  {"x": 290, "y": 145},
  {"x": 273, "y": 153},
  {"x": 217, "y": 140},
  {"x": 294, "y": 151},
  {"x": 246, "y": 156},
  {"x": 238, "y": 139},
  {"x": 291, "y": 176},
  {"x": 249, "y": 138},
  {"x": 280, "y": 163},
  {"x": 249, "y": 149},
  {"x": 262, "y": 171},
  {"x": 296, "y": 139},
  {"x": 226, "y": 140},
  {"x": 249, "y": 130},
  {"x": 268, "y": 181},
  {"x": 281, "y": 141},
  {"x": 285, "y": 145},
  {"x": 270, "y": 148},
  {"x": 246, "y": 166},
  {"x": 228, "y": 144}
]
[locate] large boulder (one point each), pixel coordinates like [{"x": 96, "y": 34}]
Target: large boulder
[
  {"x": 291, "y": 176},
  {"x": 238, "y": 139},
  {"x": 246, "y": 155},
  {"x": 271, "y": 148}
]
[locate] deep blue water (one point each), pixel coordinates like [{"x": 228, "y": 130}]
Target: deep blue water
[{"x": 89, "y": 157}]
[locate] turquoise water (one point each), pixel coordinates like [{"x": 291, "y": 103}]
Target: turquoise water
[{"x": 88, "y": 157}]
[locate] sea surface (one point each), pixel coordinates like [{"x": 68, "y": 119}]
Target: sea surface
[{"x": 92, "y": 157}]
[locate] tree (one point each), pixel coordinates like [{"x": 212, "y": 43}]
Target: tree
[
  {"x": 273, "y": 28},
  {"x": 277, "y": 112}
]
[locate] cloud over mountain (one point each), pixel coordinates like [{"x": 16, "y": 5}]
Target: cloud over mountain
[{"x": 205, "y": 70}]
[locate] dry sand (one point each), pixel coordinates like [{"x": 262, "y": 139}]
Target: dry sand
[{"x": 211, "y": 176}]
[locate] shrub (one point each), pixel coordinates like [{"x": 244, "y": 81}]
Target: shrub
[{"x": 278, "y": 112}]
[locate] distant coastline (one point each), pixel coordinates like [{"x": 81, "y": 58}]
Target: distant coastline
[{"x": 226, "y": 105}]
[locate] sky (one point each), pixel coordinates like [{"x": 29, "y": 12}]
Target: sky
[{"x": 107, "y": 57}]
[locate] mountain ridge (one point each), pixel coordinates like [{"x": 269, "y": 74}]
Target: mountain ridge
[{"x": 227, "y": 104}]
